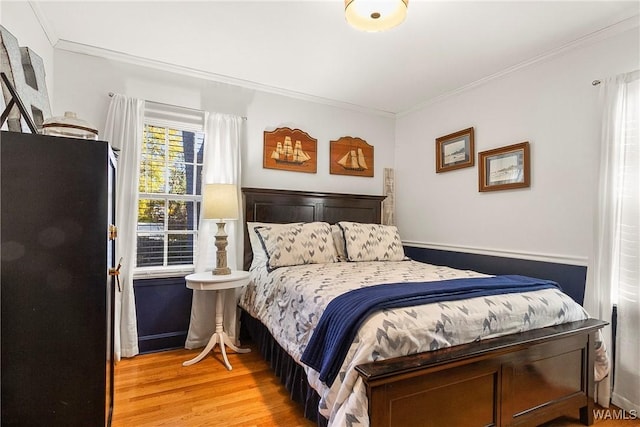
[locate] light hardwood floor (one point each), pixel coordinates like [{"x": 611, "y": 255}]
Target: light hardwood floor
[{"x": 155, "y": 390}]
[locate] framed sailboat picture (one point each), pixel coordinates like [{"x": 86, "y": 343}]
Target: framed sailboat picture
[
  {"x": 290, "y": 150},
  {"x": 351, "y": 156}
]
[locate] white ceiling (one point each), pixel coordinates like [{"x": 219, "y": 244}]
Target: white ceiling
[{"x": 305, "y": 48}]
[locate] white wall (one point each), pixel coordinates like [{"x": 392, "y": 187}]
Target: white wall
[
  {"x": 83, "y": 83},
  {"x": 18, "y": 18},
  {"x": 553, "y": 106}
]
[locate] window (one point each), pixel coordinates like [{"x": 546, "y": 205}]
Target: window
[{"x": 169, "y": 190}]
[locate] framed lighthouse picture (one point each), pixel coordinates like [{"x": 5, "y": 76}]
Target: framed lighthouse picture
[
  {"x": 351, "y": 156},
  {"x": 290, "y": 150}
]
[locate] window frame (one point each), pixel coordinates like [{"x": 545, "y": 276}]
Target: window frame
[{"x": 184, "y": 120}]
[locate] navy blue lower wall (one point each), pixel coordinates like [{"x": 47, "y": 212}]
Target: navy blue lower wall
[
  {"x": 163, "y": 310},
  {"x": 572, "y": 278},
  {"x": 163, "y": 305}
]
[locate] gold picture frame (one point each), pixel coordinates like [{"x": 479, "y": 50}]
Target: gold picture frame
[
  {"x": 504, "y": 168},
  {"x": 455, "y": 151}
]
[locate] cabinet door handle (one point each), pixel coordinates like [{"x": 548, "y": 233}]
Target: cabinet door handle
[
  {"x": 116, "y": 272},
  {"x": 113, "y": 232}
]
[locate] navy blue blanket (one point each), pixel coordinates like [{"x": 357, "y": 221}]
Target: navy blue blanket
[{"x": 343, "y": 316}]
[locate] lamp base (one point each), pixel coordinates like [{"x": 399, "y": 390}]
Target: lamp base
[
  {"x": 221, "y": 270},
  {"x": 221, "y": 253}
]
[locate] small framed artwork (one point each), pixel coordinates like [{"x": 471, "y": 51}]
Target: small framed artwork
[
  {"x": 290, "y": 150},
  {"x": 455, "y": 151},
  {"x": 351, "y": 156},
  {"x": 504, "y": 168}
]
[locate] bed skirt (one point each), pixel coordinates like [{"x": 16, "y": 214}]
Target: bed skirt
[{"x": 291, "y": 375}]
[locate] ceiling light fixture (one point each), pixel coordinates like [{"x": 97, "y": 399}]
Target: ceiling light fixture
[{"x": 375, "y": 15}]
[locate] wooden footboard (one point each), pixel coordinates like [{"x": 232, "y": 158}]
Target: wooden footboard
[{"x": 521, "y": 379}]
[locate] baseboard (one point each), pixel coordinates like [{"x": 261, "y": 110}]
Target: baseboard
[{"x": 161, "y": 342}]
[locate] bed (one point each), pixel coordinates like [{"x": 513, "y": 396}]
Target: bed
[{"x": 522, "y": 378}]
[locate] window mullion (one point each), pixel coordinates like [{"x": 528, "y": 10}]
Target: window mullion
[
  {"x": 166, "y": 159},
  {"x": 187, "y": 197},
  {"x": 165, "y": 260},
  {"x": 167, "y": 135}
]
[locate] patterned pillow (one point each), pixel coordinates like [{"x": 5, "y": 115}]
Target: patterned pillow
[
  {"x": 338, "y": 242},
  {"x": 309, "y": 243},
  {"x": 372, "y": 242},
  {"x": 259, "y": 258}
]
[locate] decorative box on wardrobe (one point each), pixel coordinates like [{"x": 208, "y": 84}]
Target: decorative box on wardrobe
[{"x": 56, "y": 203}]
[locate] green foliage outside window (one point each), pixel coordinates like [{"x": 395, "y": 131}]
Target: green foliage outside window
[{"x": 169, "y": 187}]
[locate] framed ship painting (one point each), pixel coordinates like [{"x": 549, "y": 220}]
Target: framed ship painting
[
  {"x": 290, "y": 150},
  {"x": 351, "y": 156}
]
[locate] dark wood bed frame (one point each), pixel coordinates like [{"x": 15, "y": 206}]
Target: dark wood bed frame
[{"x": 521, "y": 379}]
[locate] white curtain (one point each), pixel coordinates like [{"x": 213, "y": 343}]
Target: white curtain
[
  {"x": 614, "y": 271},
  {"x": 221, "y": 166},
  {"x": 123, "y": 130}
]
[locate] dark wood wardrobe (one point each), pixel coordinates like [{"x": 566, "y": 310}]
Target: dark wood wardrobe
[{"x": 56, "y": 204}]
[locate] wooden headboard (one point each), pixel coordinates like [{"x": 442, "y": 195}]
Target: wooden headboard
[{"x": 283, "y": 206}]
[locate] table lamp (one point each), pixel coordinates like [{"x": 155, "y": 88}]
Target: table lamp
[{"x": 220, "y": 203}]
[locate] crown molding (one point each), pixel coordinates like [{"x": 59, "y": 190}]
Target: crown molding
[
  {"x": 84, "y": 49},
  {"x": 602, "y": 34},
  {"x": 47, "y": 28}
]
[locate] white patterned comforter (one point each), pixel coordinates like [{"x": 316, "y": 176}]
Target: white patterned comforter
[{"x": 290, "y": 300}]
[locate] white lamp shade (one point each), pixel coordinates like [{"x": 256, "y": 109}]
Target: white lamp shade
[
  {"x": 220, "y": 201},
  {"x": 375, "y": 15}
]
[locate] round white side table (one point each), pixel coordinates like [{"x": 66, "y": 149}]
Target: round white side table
[{"x": 207, "y": 281}]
